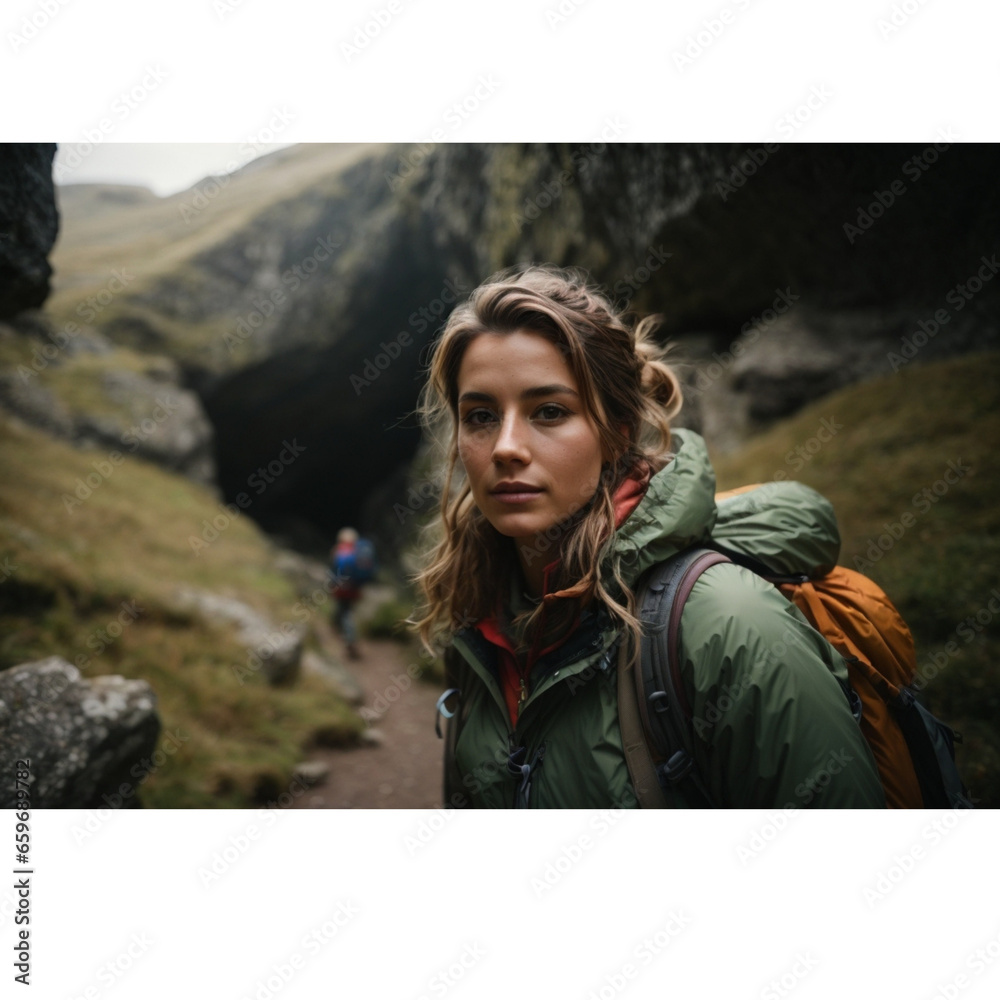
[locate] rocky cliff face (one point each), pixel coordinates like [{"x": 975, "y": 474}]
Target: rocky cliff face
[
  {"x": 299, "y": 297},
  {"x": 28, "y": 225}
]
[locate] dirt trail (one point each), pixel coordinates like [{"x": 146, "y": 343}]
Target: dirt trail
[{"x": 403, "y": 769}]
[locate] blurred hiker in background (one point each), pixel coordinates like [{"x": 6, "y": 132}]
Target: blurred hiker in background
[{"x": 352, "y": 565}]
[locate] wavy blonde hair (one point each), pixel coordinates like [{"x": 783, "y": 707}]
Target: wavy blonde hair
[{"x": 630, "y": 394}]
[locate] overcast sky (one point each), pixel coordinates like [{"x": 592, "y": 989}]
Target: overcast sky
[{"x": 163, "y": 167}]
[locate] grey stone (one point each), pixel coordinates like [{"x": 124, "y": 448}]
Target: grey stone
[
  {"x": 276, "y": 651},
  {"x": 372, "y": 736},
  {"x": 312, "y": 772},
  {"x": 341, "y": 681},
  {"x": 84, "y": 738},
  {"x": 150, "y": 416}
]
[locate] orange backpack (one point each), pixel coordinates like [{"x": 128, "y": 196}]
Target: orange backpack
[
  {"x": 913, "y": 750},
  {"x": 861, "y": 623}
]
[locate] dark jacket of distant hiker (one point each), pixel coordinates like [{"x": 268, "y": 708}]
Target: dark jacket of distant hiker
[{"x": 773, "y": 723}]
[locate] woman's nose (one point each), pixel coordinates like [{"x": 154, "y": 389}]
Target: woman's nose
[{"x": 511, "y": 443}]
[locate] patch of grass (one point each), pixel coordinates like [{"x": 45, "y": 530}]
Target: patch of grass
[
  {"x": 140, "y": 534},
  {"x": 912, "y": 476}
]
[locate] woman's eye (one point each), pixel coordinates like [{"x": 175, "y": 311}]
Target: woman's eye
[
  {"x": 477, "y": 418},
  {"x": 550, "y": 411}
]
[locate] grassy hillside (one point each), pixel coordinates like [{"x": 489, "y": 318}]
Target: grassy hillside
[
  {"x": 133, "y": 264},
  {"x": 909, "y": 464},
  {"x": 75, "y": 564},
  {"x": 109, "y": 227}
]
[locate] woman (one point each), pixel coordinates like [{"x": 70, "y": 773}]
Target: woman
[{"x": 563, "y": 484}]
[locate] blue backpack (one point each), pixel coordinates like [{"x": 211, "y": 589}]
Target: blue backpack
[{"x": 357, "y": 566}]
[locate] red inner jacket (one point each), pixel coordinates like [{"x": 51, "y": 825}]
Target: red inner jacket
[{"x": 626, "y": 499}]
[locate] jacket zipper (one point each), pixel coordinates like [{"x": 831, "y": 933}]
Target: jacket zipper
[
  {"x": 513, "y": 731},
  {"x": 523, "y": 696}
]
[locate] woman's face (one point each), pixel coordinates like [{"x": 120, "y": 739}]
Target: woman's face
[{"x": 530, "y": 450}]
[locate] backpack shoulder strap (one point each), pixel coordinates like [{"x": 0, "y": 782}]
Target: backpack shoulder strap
[
  {"x": 665, "y": 715},
  {"x": 641, "y": 768}
]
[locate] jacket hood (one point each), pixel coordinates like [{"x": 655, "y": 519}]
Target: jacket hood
[
  {"x": 787, "y": 526},
  {"x": 677, "y": 510}
]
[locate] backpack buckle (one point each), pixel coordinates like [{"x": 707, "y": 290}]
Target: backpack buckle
[
  {"x": 442, "y": 709},
  {"x": 677, "y": 767},
  {"x": 659, "y": 701}
]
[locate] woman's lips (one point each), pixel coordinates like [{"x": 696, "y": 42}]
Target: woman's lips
[{"x": 516, "y": 494}]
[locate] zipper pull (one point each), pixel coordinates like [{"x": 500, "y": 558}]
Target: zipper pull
[{"x": 524, "y": 695}]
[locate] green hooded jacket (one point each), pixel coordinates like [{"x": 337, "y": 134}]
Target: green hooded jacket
[{"x": 772, "y": 721}]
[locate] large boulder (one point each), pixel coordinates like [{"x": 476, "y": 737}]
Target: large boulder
[{"x": 86, "y": 739}]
